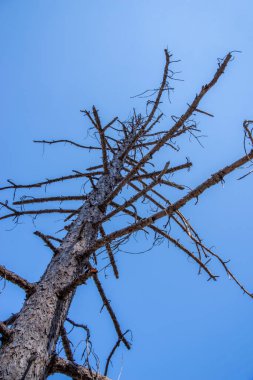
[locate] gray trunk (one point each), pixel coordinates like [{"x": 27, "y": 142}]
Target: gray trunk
[{"x": 28, "y": 353}]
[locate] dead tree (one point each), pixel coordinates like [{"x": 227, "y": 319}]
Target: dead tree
[{"x": 127, "y": 150}]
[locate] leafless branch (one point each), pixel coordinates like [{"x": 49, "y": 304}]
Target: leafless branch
[
  {"x": 110, "y": 254},
  {"x": 73, "y": 370},
  {"x": 25, "y": 201},
  {"x": 17, "y": 213},
  {"x": 49, "y": 181},
  {"x": 187, "y": 165},
  {"x": 15, "y": 279},
  {"x": 66, "y": 345},
  {"x": 106, "y": 303},
  {"x": 68, "y": 142},
  {"x": 47, "y": 242},
  {"x": 110, "y": 124},
  {"x": 112, "y": 353}
]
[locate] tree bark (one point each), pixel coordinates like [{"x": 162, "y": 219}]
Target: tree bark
[{"x": 31, "y": 346}]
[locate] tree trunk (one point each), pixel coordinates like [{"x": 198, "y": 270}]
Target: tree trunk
[{"x": 29, "y": 350}]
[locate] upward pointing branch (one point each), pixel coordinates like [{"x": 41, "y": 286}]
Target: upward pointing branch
[
  {"x": 143, "y": 129},
  {"x": 102, "y": 138},
  {"x": 175, "y": 128}
]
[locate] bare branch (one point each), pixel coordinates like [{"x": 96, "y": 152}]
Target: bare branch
[
  {"x": 161, "y": 89},
  {"x": 73, "y": 370},
  {"x": 187, "y": 165},
  {"x": 54, "y": 238},
  {"x": 102, "y": 138},
  {"x": 17, "y": 213},
  {"x": 66, "y": 344},
  {"x": 87, "y": 113},
  {"x": 112, "y": 353},
  {"x": 110, "y": 311},
  {"x": 110, "y": 124},
  {"x": 47, "y": 241},
  {"x": 17, "y": 280},
  {"x": 204, "y": 112},
  {"x": 49, "y": 181},
  {"x": 156, "y": 103},
  {"x": 68, "y": 142},
  {"x": 25, "y": 201},
  {"x": 110, "y": 254}
]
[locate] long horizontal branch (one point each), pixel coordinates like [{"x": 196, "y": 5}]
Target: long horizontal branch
[
  {"x": 195, "y": 193},
  {"x": 49, "y": 181},
  {"x": 37, "y": 212},
  {"x": 73, "y": 370},
  {"x": 50, "y": 199},
  {"x": 68, "y": 142}
]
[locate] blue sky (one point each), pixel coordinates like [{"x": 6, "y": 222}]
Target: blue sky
[{"x": 60, "y": 56}]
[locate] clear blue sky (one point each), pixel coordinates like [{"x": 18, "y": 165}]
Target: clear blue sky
[{"x": 60, "y": 56}]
